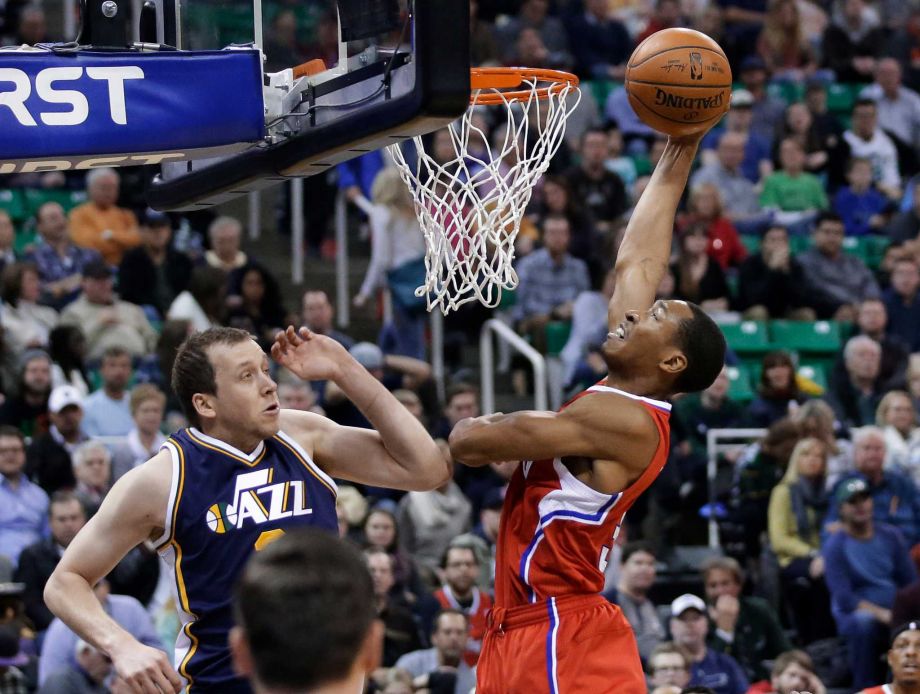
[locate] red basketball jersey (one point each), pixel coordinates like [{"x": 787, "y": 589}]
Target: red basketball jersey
[{"x": 556, "y": 532}]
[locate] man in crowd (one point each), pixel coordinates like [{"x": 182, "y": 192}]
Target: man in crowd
[
  {"x": 226, "y": 236},
  {"x": 154, "y": 273},
  {"x": 317, "y": 314},
  {"x": 637, "y": 576},
  {"x": 60, "y": 262},
  {"x": 872, "y": 321},
  {"x": 550, "y": 280},
  {"x": 898, "y": 106},
  {"x": 37, "y": 561},
  {"x": 856, "y": 395},
  {"x": 434, "y": 668},
  {"x": 49, "y": 460},
  {"x": 23, "y": 505},
  {"x": 865, "y": 563},
  {"x": 895, "y": 497},
  {"x": 108, "y": 410},
  {"x": 903, "y": 302},
  {"x": 105, "y": 319},
  {"x": 757, "y": 161},
  {"x": 100, "y": 223},
  {"x": 401, "y": 632},
  {"x": 600, "y": 191},
  {"x": 867, "y": 141},
  {"x": 772, "y": 283},
  {"x": 837, "y": 281},
  {"x": 460, "y": 592},
  {"x": 708, "y": 667},
  {"x": 305, "y": 573},
  {"x": 744, "y": 626},
  {"x": 28, "y": 409},
  {"x": 669, "y": 666},
  {"x": 86, "y": 675},
  {"x": 460, "y": 401},
  {"x": 794, "y": 195}
]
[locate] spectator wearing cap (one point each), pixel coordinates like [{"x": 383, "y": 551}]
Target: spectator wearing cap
[
  {"x": 743, "y": 626},
  {"x": 154, "y": 273},
  {"x": 637, "y": 576},
  {"x": 837, "y": 281},
  {"x": 757, "y": 161},
  {"x": 105, "y": 319},
  {"x": 766, "y": 110},
  {"x": 12, "y": 679},
  {"x": 60, "y": 262},
  {"x": 86, "y": 675},
  {"x": 27, "y": 410},
  {"x": 108, "y": 410},
  {"x": 49, "y": 461},
  {"x": 904, "y": 660},
  {"x": 59, "y": 647},
  {"x": 708, "y": 668},
  {"x": 66, "y": 516},
  {"x": 100, "y": 223},
  {"x": 25, "y": 323},
  {"x": 23, "y": 504},
  {"x": 865, "y": 564},
  {"x": 866, "y": 140},
  {"x": 895, "y": 497},
  {"x": 852, "y": 42}
]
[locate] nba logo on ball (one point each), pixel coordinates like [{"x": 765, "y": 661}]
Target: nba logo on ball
[
  {"x": 220, "y": 517},
  {"x": 679, "y": 81}
]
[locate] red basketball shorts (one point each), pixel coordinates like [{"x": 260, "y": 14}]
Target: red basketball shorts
[{"x": 570, "y": 645}]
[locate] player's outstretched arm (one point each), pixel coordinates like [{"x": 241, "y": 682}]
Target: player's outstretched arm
[
  {"x": 132, "y": 511},
  {"x": 398, "y": 454},
  {"x": 580, "y": 430},
  {"x": 642, "y": 259}
]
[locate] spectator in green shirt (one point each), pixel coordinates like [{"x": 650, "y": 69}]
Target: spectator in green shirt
[{"x": 795, "y": 195}]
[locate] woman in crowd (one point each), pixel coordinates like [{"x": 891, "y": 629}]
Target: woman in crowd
[
  {"x": 380, "y": 531},
  {"x": 67, "y": 349},
  {"x": 697, "y": 277},
  {"x": 798, "y": 505},
  {"x": 783, "y": 44},
  {"x": 898, "y": 418},
  {"x": 148, "y": 405},
  {"x": 778, "y": 394},
  {"x": 705, "y": 208},
  {"x": 255, "y": 303},
  {"x": 817, "y": 420},
  {"x": 27, "y": 324}
]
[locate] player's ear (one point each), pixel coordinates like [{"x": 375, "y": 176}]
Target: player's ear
[
  {"x": 673, "y": 362},
  {"x": 371, "y": 653},
  {"x": 239, "y": 650},
  {"x": 203, "y": 405}
]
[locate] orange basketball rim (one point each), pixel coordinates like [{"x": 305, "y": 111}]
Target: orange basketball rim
[{"x": 492, "y": 86}]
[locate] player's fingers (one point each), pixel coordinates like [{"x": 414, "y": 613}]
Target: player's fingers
[
  {"x": 292, "y": 336},
  {"x": 141, "y": 684},
  {"x": 166, "y": 679},
  {"x": 306, "y": 333}
]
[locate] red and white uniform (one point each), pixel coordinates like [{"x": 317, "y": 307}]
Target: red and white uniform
[
  {"x": 476, "y": 613},
  {"x": 550, "y": 630}
]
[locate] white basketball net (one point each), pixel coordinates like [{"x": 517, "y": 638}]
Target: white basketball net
[{"x": 470, "y": 206}]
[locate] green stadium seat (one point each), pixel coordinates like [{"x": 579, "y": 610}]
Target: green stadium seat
[
  {"x": 557, "y": 334},
  {"x": 642, "y": 163},
  {"x": 740, "y": 388},
  {"x": 841, "y": 97},
  {"x": 857, "y": 245},
  {"x": 746, "y": 337},
  {"x": 815, "y": 372},
  {"x": 24, "y": 240},
  {"x": 600, "y": 90},
  {"x": 509, "y": 299},
  {"x": 68, "y": 199},
  {"x": 13, "y": 202},
  {"x": 818, "y": 337},
  {"x": 790, "y": 92},
  {"x": 751, "y": 242},
  {"x": 799, "y": 244}
]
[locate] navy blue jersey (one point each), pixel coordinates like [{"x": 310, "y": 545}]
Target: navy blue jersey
[{"x": 225, "y": 505}]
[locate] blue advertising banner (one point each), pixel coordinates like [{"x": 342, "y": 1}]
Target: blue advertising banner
[{"x": 85, "y": 109}]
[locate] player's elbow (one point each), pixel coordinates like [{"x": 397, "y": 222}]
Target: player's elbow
[
  {"x": 464, "y": 447},
  {"x": 54, "y": 592}
]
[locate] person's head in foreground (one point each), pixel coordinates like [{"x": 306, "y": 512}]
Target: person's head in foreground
[
  {"x": 904, "y": 658},
  {"x": 674, "y": 347},
  {"x": 794, "y": 671},
  {"x": 305, "y": 616}
]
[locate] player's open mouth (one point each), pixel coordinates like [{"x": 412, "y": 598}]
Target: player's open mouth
[
  {"x": 619, "y": 333},
  {"x": 273, "y": 408}
]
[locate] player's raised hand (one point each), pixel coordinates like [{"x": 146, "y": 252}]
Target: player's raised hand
[
  {"x": 144, "y": 670},
  {"x": 309, "y": 356}
]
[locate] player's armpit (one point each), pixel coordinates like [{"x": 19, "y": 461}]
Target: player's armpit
[{"x": 619, "y": 430}]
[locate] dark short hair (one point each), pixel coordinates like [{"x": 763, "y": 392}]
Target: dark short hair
[
  {"x": 193, "y": 371},
  {"x": 631, "y": 548},
  {"x": 462, "y": 548},
  {"x": 667, "y": 647},
  {"x": 865, "y": 102},
  {"x": 436, "y": 622},
  {"x": 460, "y": 389},
  {"x": 8, "y": 431},
  {"x": 703, "y": 344},
  {"x": 827, "y": 216},
  {"x": 307, "y": 593},
  {"x": 787, "y": 658}
]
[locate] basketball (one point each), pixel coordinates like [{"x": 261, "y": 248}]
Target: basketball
[{"x": 679, "y": 81}]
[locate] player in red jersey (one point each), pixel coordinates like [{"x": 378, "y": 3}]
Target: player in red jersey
[{"x": 583, "y": 467}]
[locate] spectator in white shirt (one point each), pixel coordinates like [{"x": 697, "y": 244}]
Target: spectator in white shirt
[{"x": 867, "y": 141}]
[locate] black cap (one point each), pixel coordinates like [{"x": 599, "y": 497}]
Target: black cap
[
  {"x": 97, "y": 270},
  {"x": 155, "y": 218}
]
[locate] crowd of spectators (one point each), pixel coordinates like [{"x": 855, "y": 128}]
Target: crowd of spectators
[{"x": 803, "y": 208}]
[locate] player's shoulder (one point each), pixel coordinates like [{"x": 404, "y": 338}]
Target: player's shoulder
[{"x": 615, "y": 406}]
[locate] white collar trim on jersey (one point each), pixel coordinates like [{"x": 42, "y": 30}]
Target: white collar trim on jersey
[
  {"x": 666, "y": 406},
  {"x": 227, "y": 447}
]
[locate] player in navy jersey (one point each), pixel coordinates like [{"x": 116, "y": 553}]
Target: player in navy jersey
[{"x": 230, "y": 484}]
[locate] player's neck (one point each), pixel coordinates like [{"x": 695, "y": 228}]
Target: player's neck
[
  {"x": 640, "y": 386},
  {"x": 241, "y": 441}
]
